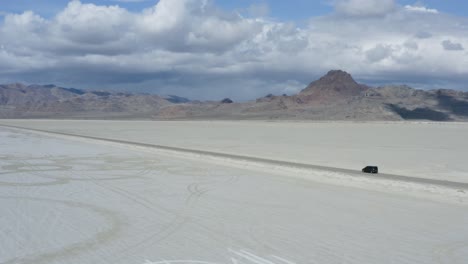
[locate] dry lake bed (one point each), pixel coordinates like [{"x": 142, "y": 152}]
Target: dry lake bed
[{"x": 70, "y": 199}]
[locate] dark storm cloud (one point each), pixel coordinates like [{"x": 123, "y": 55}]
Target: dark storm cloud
[{"x": 449, "y": 45}]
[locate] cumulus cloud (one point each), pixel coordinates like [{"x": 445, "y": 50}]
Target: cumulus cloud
[
  {"x": 364, "y": 7},
  {"x": 449, "y": 45},
  {"x": 90, "y": 24},
  {"x": 193, "y": 48}
]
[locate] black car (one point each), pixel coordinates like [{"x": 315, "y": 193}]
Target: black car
[{"x": 371, "y": 169}]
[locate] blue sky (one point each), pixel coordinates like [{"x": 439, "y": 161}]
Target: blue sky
[
  {"x": 242, "y": 49},
  {"x": 288, "y": 10}
]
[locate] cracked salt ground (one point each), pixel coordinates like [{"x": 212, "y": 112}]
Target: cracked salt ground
[{"x": 78, "y": 202}]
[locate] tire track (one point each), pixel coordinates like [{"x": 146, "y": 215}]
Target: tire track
[
  {"x": 112, "y": 218},
  {"x": 445, "y": 253},
  {"x": 19, "y": 167},
  {"x": 273, "y": 164}
]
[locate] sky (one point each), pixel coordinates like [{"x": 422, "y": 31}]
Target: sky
[{"x": 244, "y": 49}]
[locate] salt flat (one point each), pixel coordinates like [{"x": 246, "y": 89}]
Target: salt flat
[
  {"x": 67, "y": 201},
  {"x": 426, "y": 150}
]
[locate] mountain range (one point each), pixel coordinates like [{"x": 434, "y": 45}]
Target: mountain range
[{"x": 335, "y": 96}]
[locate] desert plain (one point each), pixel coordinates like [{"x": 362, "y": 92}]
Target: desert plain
[{"x": 139, "y": 192}]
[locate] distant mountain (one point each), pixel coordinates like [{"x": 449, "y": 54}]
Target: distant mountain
[
  {"x": 49, "y": 101},
  {"x": 335, "y": 96}
]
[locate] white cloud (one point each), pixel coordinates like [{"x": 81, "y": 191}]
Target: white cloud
[
  {"x": 182, "y": 25},
  {"x": 379, "y": 53},
  {"x": 90, "y": 24},
  {"x": 411, "y": 44},
  {"x": 198, "y": 50},
  {"x": 420, "y": 9},
  {"x": 364, "y": 7}
]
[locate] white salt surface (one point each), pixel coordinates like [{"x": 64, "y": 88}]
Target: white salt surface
[
  {"x": 72, "y": 202},
  {"x": 426, "y": 150}
]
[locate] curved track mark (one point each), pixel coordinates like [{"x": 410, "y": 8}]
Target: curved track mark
[{"x": 72, "y": 250}]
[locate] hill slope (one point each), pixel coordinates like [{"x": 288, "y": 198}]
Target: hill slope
[
  {"x": 335, "y": 96},
  {"x": 20, "y": 101}
]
